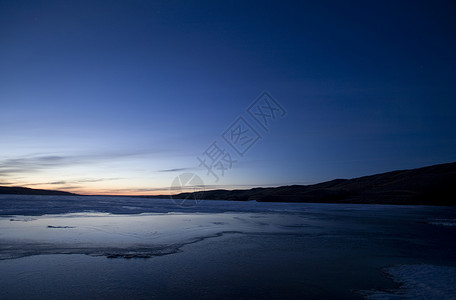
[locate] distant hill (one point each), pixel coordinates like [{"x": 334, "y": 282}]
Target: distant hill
[
  {"x": 434, "y": 185},
  {"x": 27, "y": 191}
]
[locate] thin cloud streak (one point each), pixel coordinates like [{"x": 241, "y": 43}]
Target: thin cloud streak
[
  {"x": 174, "y": 170},
  {"x": 75, "y": 181},
  {"x": 129, "y": 192},
  {"x": 28, "y": 164}
]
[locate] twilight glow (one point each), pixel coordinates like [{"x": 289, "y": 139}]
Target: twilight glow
[{"x": 120, "y": 97}]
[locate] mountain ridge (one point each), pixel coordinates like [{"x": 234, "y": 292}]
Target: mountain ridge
[
  {"x": 431, "y": 185},
  {"x": 17, "y": 190}
]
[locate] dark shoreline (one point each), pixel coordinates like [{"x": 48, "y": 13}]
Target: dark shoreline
[{"x": 433, "y": 185}]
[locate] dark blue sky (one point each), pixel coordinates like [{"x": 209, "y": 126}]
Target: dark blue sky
[{"x": 123, "y": 96}]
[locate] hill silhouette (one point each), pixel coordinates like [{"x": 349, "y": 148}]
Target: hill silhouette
[
  {"x": 433, "y": 185},
  {"x": 27, "y": 191}
]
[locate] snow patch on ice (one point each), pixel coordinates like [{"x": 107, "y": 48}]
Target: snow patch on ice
[
  {"x": 443, "y": 222},
  {"x": 22, "y": 219},
  {"x": 418, "y": 282}
]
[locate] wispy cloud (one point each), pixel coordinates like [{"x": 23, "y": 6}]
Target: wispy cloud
[
  {"x": 36, "y": 163},
  {"x": 57, "y": 182},
  {"x": 11, "y": 166},
  {"x": 63, "y": 188},
  {"x": 48, "y": 183},
  {"x": 95, "y": 180},
  {"x": 175, "y": 170},
  {"x": 134, "y": 191},
  {"x": 75, "y": 181}
]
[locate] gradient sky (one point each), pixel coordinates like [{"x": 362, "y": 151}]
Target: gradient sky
[{"x": 120, "y": 97}]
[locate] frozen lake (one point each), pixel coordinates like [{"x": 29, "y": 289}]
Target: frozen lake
[{"x": 75, "y": 247}]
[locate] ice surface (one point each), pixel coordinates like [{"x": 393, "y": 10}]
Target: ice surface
[
  {"x": 142, "y": 227},
  {"x": 139, "y": 235},
  {"x": 419, "y": 282},
  {"x": 297, "y": 249},
  {"x": 36, "y": 205}
]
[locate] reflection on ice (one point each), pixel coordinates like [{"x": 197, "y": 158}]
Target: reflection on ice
[
  {"x": 142, "y": 235},
  {"x": 443, "y": 222}
]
